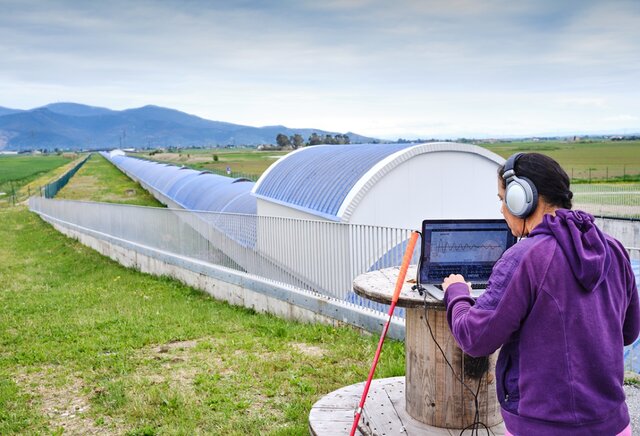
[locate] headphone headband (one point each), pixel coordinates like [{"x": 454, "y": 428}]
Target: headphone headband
[{"x": 509, "y": 171}]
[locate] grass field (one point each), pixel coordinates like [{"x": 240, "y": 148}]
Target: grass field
[
  {"x": 26, "y": 167},
  {"x": 88, "y": 346},
  {"x": 17, "y": 172},
  {"x": 584, "y": 161},
  {"x": 243, "y": 163},
  {"x": 99, "y": 180}
]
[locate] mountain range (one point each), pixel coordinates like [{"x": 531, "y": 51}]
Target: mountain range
[{"x": 72, "y": 126}]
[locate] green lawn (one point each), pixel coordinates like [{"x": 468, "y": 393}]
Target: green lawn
[
  {"x": 99, "y": 180},
  {"x": 88, "y": 346}
]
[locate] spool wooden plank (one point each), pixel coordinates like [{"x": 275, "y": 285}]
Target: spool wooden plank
[
  {"x": 380, "y": 415},
  {"x": 449, "y": 388},
  {"x": 420, "y": 359},
  {"x": 378, "y": 286},
  {"x": 493, "y": 407},
  {"x": 385, "y": 413}
]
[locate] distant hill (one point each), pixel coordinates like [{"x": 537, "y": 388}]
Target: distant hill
[
  {"x": 6, "y": 111},
  {"x": 76, "y": 110},
  {"x": 77, "y": 126}
]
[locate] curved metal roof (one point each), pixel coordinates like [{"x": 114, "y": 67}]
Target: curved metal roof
[
  {"x": 245, "y": 202},
  {"x": 317, "y": 179},
  {"x": 330, "y": 180},
  {"x": 192, "y": 189}
]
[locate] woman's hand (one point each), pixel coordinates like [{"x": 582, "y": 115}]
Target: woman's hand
[{"x": 454, "y": 278}]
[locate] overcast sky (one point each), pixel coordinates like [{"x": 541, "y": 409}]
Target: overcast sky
[{"x": 431, "y": 68}]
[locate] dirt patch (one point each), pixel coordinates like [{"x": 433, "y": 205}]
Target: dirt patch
[
  {"x": 176, "y": 345},
  {"x": 178, "y": 379},
  {"x": 61, "y": 399},
  {"x": 182, "y": 352},
  {"x": 180, "y": 364},
  {"x": 309, "y": 350}
]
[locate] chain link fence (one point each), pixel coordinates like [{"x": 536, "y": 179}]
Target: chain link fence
[
  {"x": 51, "y": 189},
  {"x": 616, "y": 200}
]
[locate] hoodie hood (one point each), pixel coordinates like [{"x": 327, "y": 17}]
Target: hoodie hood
[{"x": 584, "y": 245}]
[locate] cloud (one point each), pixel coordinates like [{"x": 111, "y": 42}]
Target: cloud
[
  {"x": 446, "y": 65},
  {"x": 583, "y": 101},
  {"x": 622, "y": 117}
]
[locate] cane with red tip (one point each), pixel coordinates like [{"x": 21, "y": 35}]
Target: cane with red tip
[{"x": 401, "y": 276}]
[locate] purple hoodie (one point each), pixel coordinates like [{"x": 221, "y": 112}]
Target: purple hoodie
[{"x": 561, "y": 303}]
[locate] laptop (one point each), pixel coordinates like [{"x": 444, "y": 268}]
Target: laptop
[{"x": 467, "y": 247}]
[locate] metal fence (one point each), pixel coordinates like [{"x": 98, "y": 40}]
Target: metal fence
[
  {"x": 51, "y": 189},
  {"x": 620, "y": 200},
  {"x": 604, "y": 173},
  {"x": 632, "y": 352},
  {"x": 319, "y": 256}
]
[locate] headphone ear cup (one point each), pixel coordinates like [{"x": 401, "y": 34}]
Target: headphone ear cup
[
  {"x": 515, "y": 198},
  {"x": 521, "y": 196},
  {"x": 534, "y": 195}
]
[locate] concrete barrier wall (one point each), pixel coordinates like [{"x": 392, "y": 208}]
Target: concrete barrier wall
[
  {"x": 241, "y": 289},
  {"x": 625, "y": 231}
]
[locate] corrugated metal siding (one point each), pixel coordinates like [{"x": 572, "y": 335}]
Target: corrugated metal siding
[
  {"x": 176, "y": 187},
  {"x": 319, "y": 178},
  {"x": 195, "y": 190}
]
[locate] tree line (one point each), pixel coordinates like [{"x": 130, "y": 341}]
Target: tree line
[{"x": 296, "y": 141}]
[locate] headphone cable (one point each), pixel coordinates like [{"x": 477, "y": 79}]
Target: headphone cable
[{"x": 476, "y": 424}]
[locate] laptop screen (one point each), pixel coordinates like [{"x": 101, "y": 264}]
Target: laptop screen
[{"x": 467, "y": 247}]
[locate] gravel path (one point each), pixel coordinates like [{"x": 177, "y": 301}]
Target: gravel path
[{"x": 633, "y": 402}]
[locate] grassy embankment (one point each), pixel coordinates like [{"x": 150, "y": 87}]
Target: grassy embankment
[
  {"x": 87, "y": 346},
  {"x": 99, "y": 180},
  {"x": 24, "y": 174}
]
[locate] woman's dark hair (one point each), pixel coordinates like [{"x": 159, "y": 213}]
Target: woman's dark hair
[{"x": 551, "y": 181}]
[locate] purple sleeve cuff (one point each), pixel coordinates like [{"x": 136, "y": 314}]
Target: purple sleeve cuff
[{"x": 455, "y": 290}]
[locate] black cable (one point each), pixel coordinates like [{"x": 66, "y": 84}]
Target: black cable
[
  {"x": 418, "y": 286},
  {"x": 475, "y": 425}
]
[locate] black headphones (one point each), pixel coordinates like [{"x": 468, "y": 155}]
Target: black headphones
[{"x": 521, "y": 195}]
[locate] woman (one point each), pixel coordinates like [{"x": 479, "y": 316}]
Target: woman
[{"x": 561, "y": 303}]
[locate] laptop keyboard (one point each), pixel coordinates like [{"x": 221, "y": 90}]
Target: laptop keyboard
[{"x": 473, "y": 286}]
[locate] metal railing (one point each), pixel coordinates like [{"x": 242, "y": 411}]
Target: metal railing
[
  {"x": 620, "y": 200},
  {"x": 319, "y": 256},
  {"x": 632, "y": 352}
]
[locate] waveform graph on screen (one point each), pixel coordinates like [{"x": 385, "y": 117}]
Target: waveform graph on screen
[{"x": 471, "y": 246}]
